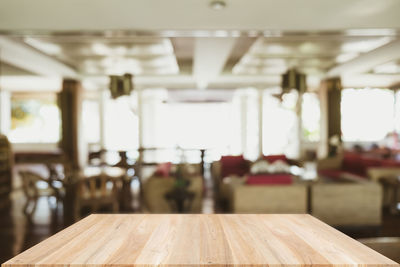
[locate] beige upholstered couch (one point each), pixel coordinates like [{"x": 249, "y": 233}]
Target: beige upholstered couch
[
  {"x": 374, "y": 174},
  {"x": 219, "y": 194},
  {"x": 243, "y": 198},
  {"x": 154, "y": 189},
  {"x": 351, "y": 203},
  {"x": 348, "y": 203}
]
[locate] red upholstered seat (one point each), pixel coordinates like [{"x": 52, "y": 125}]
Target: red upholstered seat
[
  {"x": 369, "y": 163},
  {"x": 358, "y": 164},
  {"x": 163, "y": 169},
  {"x": 273, "y": 158},
  {"x": 269, "y": 179},
  {"x": 352, "y": 162},
  {"x": 334, "y": 174},
  {"x": 340, "y": 175},
  {"x": 234, "y": 165},
  {"x": 390, "y": 163}
]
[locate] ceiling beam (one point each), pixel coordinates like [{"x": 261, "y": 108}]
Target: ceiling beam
[
  {"x": 36, "y": 83},
  {"x": 371, "y": 80},
  {"x": 30, "y": 83},
  {"x": 210, "y": 56},
  {"x": 27, "y": 58},
  {"x": 242, "y": 46},
  {"x": 366, "y": 62},
  {"x": 188, "y": 82}
]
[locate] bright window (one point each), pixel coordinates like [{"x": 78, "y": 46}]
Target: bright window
[
  {"x": 91, "y": 121},
  {"x": 280, "y": 125},
  {"x": 250, "y": 129},
  {"x": 367, "y": 114},
  {"x": 198, "y": 126},
  {"x": 397, "y": 112},
  {"x": 35, "y": 119},
  {"x": 190, "y": 126},
  {"x": 310, "y": 117},
  {"x": 121, "y": 124}
]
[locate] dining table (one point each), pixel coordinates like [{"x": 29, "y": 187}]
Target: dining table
[{"x": 200, "y": 240}]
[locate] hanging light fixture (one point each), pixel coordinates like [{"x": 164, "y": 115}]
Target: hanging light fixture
[
  {"x": 293, "y": 80},
  {"x": 121, "y": 85}
]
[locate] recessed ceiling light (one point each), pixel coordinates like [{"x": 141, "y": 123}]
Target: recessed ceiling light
[{"x": 217, "y": 4}]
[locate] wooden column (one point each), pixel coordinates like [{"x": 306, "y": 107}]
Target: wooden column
[
  {"x": 72, "y": 139},
  {"x": 330, "y": 97}
]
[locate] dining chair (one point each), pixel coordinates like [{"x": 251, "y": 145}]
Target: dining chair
[
  {"x": 35, "y": 186},
  {"x": 96, "y": 192}
]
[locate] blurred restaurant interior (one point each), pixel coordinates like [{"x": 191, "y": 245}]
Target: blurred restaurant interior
[{"x": 185, "y": 106}]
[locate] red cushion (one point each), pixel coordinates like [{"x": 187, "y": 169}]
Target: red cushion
[
  {"x": 271, "y": 179},
  {"x": 163, "y": 169},
  {"x": 339, "y": 175},
  {"x": 352, "y": 163},
  {"x": 273, "y": 158},
  {"x": 335, "y": 174},
  {"x": 370, "y": 162},
  {"x": 390, "y": 163},
  {"x": 233, "y": 165}
]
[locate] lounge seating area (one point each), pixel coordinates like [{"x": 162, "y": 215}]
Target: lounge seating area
[
  {"x": 160, "y": 183},
  {"x": 339, "y": 201},
  {"x": 355, "y": 164},
  {"x": 348, "y": 203}
]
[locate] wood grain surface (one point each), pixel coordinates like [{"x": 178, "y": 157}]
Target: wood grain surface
[{"x": 194, "y": 240}]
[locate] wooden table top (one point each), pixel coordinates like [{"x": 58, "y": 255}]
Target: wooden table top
[{"x": 193, "y": 240}]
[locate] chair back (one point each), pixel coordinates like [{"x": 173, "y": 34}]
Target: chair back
[
  {"x": 29, "y": 180},
  {"x": 98, "y": 186}
]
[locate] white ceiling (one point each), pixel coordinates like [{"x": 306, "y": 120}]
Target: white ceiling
[
  {"x": 187, "y": 63},
  {"x": 312, "y": 55},
  {"x": 155, "y": 15},
  {"x": 9, "y": 70},
  {"x": 110, "y": 56},
  {"x": 167, "y": 43}
]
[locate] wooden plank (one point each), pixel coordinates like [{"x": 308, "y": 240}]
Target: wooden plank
[{"x": 194, "y": 240}]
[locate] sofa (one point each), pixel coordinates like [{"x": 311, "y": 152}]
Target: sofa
[
  {"x": 249, "y": 195},
  {"x": 234, "y": 167},
  {"x": 353, "y": 164},
  {"x": 347, "y": 202},
  {"x": 162, "y": 180},
  {"x": 241, "y": 192},
  {"x": 227, "y": 166},
  {"x": 238, "y": 166}
]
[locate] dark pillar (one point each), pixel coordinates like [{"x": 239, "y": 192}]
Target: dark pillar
[
  {"x": 71, "y": 137},
  {"x": 72, "y": 145},
  {"x": 331, "y": 132}
]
